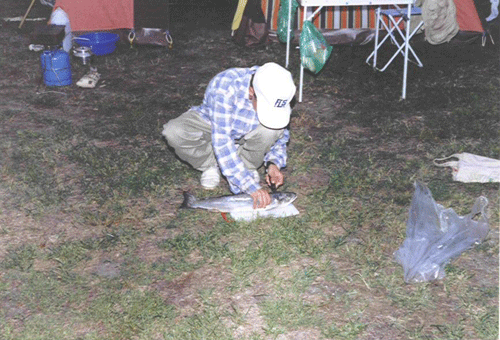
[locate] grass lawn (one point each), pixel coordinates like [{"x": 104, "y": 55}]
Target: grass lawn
[{"x": 93, "y": 244}]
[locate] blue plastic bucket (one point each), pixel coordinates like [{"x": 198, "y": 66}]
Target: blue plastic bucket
[
  {"x": 100, "y": 43},
  {"x": 56, "y": 68}
]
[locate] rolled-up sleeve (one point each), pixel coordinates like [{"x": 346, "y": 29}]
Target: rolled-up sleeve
[{"x": 277, "y": 154}]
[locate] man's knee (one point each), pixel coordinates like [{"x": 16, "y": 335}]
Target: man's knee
[
  {"x": 267, "y": 136},
  {"x": 273, "y": 135},
  {"x": 171, "y": 131}
]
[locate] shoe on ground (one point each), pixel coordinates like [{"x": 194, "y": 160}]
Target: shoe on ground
[
  {"x": 210, "y": 178},
  {"x": 89, "y": 80}
]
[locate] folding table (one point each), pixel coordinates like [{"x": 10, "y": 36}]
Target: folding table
[
  {"x": 322, "y": 3},
  {"x": 396, "y": 17}
]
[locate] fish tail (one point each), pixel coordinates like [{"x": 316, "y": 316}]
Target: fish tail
[{"x": 188, "y": 200}]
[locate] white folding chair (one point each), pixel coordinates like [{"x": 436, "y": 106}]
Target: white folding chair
[{"x": 395, "y": 17}]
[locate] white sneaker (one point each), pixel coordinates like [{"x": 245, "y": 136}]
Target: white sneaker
[
  {"x": 90, "y": 79},
  {"x": 210, "y": 178},
  {"x": 255, "y": 175}
]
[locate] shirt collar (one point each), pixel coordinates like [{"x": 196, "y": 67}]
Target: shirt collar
[{"x": 248, "y": 77}]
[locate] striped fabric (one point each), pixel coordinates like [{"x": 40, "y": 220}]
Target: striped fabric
[{"x": 329, "y": 17}]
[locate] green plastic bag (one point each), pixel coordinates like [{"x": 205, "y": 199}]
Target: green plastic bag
[
  {"x": 314, "y": 50},
  {"x": 283, "y": 19}
]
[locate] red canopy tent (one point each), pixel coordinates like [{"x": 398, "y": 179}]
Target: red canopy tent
[{"x": 99, "y": 15}]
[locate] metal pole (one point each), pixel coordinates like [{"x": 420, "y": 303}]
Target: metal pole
[
  {"x": 376, "y": 38},
  {"x": 407, "y": 42},
  {"x": 301, "y": 66},
  {"x": 289, "y": 29}
]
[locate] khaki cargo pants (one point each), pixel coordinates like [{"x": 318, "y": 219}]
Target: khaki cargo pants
[{"x": 191, "y": 137}]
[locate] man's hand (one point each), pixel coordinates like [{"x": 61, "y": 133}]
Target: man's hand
[
  {"x": 261, "y": 199},
  {"x": 274, "y": 176}
]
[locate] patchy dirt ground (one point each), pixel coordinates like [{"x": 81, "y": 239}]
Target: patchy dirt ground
[{"x": 347, "y": 104}]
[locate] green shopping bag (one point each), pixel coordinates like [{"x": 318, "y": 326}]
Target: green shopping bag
[
  {"x": 283, "y": 19},
  {"x": 314, "y": 50}
]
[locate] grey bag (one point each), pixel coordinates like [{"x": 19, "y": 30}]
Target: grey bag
[{"x": 435, "y": 235}]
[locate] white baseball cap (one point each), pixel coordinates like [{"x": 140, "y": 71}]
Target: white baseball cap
[{"x": 274, "y": 88}]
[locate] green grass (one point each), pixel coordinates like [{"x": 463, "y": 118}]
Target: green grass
[
  {"x": 205, "y": 325},
  {"x": 21, "y": 258},
  {"x": 93, "y": 244}
]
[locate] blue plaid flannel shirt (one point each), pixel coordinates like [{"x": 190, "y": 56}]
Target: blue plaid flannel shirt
[{"x": 227, "y": 107}]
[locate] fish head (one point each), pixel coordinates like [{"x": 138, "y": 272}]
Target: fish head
[{"x": 284, "y": 198}]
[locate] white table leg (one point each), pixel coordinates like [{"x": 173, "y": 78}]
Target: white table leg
[
  {"x": 407, "y": 43},
  {"x": 301, "y": 84},
  {"x": 288, "y": 33}
]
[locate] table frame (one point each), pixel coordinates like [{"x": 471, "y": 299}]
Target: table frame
[{"x": 322, "y": 3}]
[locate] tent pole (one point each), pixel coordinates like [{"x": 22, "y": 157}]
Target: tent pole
[{"x": 29, "y": 9}]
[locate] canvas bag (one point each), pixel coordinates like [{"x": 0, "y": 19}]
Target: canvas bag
[
  {"x": 150, "y": 36},
  {"x": 253, "y": 30},
  {"x": 467, "y": 167}
]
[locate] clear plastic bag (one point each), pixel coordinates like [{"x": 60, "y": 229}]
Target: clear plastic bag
[
  {"x": 282, "y": 30},
  {"x": 435, "y": 235},
  {"x": 314, "y": 50}
]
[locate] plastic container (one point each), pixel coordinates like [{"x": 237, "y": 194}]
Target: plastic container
[
  {"x": 60, "y": 17},
  {"x": 56, "y": 68},
  {"x": 101, "y": 43}
]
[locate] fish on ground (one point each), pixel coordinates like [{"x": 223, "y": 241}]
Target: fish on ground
[{"x": 236, "y": 203}]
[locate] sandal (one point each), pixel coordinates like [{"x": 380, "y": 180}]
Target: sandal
[{"x": 90, "y": 79}]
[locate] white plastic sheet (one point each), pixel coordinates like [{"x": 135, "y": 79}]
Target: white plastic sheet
[{"x": 248, "y": 216}]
